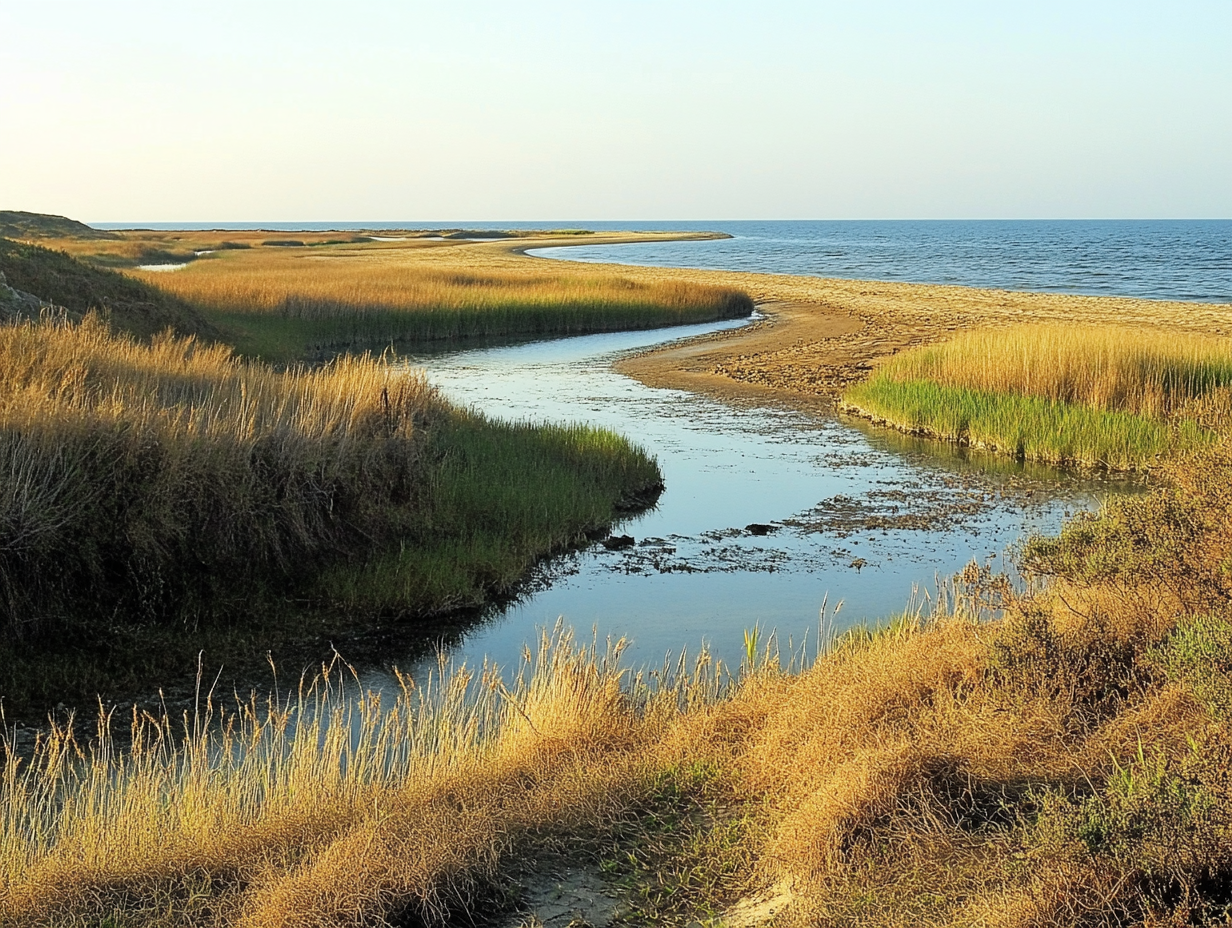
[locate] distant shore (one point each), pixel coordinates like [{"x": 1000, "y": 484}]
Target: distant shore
[{"x": 820, "y": 335}]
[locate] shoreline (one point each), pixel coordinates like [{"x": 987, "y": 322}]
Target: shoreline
[{"x": 823, "y": 334}]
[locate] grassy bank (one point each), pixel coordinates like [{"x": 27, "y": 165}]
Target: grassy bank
[
  {"x": 1066, "y": 764},
  {"x": 129, "y": 306},
  {"x": 282, "y": 303},
  {"x": 1107, "y": 396},
  {"x": 163, "y": 486}
]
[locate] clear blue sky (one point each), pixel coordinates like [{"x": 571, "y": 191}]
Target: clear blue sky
[{"x": 168, "y": 111}]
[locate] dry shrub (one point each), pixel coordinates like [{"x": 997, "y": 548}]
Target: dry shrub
[{"x": 1171, "y": 545}]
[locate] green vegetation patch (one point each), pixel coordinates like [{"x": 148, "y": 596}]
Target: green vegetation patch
[
  {"x": 1026, "y": 427},
  {"x": 291, "y": 334},
  {"x": 497, "y": 497},
  {"x": 1199, "y": 654}
]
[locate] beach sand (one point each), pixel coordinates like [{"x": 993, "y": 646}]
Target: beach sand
[{"x": 822, "y": 334}]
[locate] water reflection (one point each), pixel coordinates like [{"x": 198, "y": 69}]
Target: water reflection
[{"x": 768, "y": 510}]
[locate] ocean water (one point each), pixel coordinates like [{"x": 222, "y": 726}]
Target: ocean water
[
  {"x": 1164, "y": 260},
  {"x": 1155, "y": 259}
]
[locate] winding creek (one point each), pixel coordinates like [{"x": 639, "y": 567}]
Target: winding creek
[{"x": 768, "y": 512}]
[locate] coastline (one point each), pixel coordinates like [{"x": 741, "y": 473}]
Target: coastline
[{"x": 822, "y": 334}]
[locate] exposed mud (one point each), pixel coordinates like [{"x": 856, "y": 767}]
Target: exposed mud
[{"x": 555, "y": 893}]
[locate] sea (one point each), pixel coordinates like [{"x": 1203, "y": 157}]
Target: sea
[{"x": 1156, "y": 259}]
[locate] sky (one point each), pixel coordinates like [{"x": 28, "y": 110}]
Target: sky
[{"x": 398, "y": 111}]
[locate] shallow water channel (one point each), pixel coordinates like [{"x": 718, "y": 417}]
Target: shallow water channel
[{"x": 854, "y": 514}]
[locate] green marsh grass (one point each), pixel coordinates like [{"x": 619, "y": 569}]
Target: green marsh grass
[
  {"x": 168, "y": 485},
  {"x": 1026, "y": 427},
  {"x": 1109, "y": 396},
  {"x": 498, "y": 496},
  {"x": 282, "y": 303}
]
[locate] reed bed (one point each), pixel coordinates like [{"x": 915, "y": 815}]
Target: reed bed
[
  {"x": 1145, "y": 372},
  {"x": 279, "y": 300},
  {"x": 174, "y": 471},
  {"x": 329, "y": 806},
  {"x": 1049, "y": 758},
  {"x": 169, "y": 484},
  {"x": 1107, "y": 396}
]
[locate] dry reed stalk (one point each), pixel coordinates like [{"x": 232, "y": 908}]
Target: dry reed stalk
[
  {"x": 332, "y": 805},
  {"x": 175, "y": 450}
]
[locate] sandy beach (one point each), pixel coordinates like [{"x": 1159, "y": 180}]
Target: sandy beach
[{"x": 821, "y": 334}]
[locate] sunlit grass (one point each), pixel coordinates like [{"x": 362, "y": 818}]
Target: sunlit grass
[
  {"x": 171, "y": 484},
  {"x": 281, "y": 302},
  {"x": 1109, "y": 396}
]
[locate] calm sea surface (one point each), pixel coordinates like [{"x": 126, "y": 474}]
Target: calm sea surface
[
  {"x": 1175, "y": 260},
  {"x": 1157, "y": 259}
]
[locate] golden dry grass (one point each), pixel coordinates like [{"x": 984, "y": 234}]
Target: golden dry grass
[
  {"x": 282, "y": 301},
  {"x": 52, "y": 371},
  {"x": 1109, "y": 396},
  {"x": 128, "y": 463},
  {"x": 1064, "y": 765},
  {"x": 1061, "y": 765},
  {"x": 1147, "y": 372},
  {"x": 358, "y": 279},
  {"x": 325, "y": 810}
]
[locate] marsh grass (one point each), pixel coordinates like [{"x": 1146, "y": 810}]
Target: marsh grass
[
  {"x": 1065, "y": 763},
  {"x": 1025, "y": 427},
  {"x": 497, "y": 498},
  {"x": 156, "y": 474},
  {"x": 170, "y": 484},
  {"x": 1108, "y": 396},
  {"x": 284, "y": 303}
]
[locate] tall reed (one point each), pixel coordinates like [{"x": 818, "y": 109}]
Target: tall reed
[
  {"x": 1147, "y": 373},
  {"x": 332, "y": 804},
  {"x": 1113, "y": 397},
  {"x": 173, "y": 470}
]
